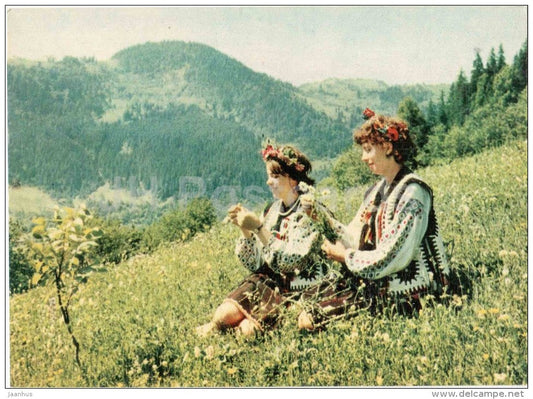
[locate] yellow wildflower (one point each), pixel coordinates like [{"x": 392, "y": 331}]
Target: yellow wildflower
[
  {"x": 503, "y": 317},
  {"x": 209, "y": 352}
]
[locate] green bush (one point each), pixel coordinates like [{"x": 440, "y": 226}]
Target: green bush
[
  {"x": 20, "y": 269},
  {"x": 118, "y": 242},
  {"x": 200, "y": 215},
  {"x": 179, "y": 225},
  {"x": 349, "y": 171}
]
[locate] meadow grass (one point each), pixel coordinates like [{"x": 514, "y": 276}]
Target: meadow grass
[
  {"x": 136, "y": 321},
  {"x": 27, "y": 201}
]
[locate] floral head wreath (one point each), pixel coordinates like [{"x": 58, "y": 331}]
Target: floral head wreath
[
  {"x": 388, "y": 132},
  {"x": 283, "y": 154}
]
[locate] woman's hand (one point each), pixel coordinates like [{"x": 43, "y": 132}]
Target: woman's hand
[
  {"x": 248, "y": 220},
  {"x": 307, "y": 201},
  {"x": 244, "y": 218},
  {"x": 232, "y": 214},
  {"x": 335, "y": 251}
]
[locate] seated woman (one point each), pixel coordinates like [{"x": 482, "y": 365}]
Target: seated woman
[
  {"x": 282, "y": 249},
  {"x": 392, "y": 248}
]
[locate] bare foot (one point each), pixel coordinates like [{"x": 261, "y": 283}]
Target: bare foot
[
  {"x": 206, "y": 329},
  {"x": 246, "y": 328}
]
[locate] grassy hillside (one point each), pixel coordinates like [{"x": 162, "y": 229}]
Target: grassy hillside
[
  {"x": 24, "y": 202},
  {"x": 136, "y": 322}
]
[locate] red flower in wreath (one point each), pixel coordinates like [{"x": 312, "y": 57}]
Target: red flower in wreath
[
  {"x": 268, "y": 151},
  {"x": 368, "y": 113},
  {"x": 393, "y": 133},
  {"x": 299, "y": 167}
]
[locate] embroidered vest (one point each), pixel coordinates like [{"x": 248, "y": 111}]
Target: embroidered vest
[{"x": 429, "y": 269}]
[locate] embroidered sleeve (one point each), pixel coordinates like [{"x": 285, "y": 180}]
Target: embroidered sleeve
[
  {"x": 294, "y": 247},
  {"x": 249, "y": 253},
  {"x": 400, "y": 239}
]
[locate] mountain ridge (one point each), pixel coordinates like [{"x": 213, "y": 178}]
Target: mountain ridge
[{"x": 70, "y": 120}]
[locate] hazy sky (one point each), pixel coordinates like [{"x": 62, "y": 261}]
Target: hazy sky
[{"x": 396, "y": 44}]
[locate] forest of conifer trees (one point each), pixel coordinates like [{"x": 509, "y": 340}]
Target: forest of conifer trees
[{"x": 58, "y": 140}]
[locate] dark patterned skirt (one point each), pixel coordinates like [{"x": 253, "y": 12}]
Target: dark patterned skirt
[
  {"x": 261, "y": 298},
  {"x": 341, "y": 298}
]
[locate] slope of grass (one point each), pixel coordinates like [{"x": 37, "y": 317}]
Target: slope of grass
[
  {"x": 136, "y": 321},
  {"x": 28, "y": 200}
]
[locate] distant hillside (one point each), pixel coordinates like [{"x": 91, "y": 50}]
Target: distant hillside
[
  {"x": 192, "y": 73},
  {"x": 157, "y": 112},
  {"x": 346, "y": 98},
  {"x": 153, "y": 114}
]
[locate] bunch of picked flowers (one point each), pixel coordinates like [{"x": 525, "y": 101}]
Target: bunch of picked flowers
[{"x": 319, "y": 214}]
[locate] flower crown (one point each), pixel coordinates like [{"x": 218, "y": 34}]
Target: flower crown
[
  {"x": 387, "y": 131},
  {"x": 283, "y": 154}
]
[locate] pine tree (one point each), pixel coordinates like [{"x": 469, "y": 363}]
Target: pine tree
[
  {"x": 482, "y": 92},
  {"x": 409, "y": 111},
  {"x": 500, "y": 62},
  {"x": 492, "y": 65},
  {"x": 432, "y": 113},
  {"x": 442, "y": 111},
  {"x": 458, "y": 100},
  {"x": 519, "y": 68},
  {"x": 478, "y": 71}
]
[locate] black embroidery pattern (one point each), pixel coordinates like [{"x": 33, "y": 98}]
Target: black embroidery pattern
[{"x": 409, "y": 274}]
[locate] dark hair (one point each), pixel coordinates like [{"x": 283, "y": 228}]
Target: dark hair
[
  {"x": 289, "y": 161},
  {"x": 381, "y": 129}
]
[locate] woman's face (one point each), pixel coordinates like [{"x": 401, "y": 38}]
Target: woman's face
[
  {"x": 375, "y": 156},
  {"x": 280, "y": 185}
]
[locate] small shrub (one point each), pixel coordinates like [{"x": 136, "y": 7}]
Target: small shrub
[
  {"x": 61, "y": 252},
  {"x": 20, "y": 269},
  {"x": 180, "y": 225},
  {"x": 118, "y": 242},
  {"x": 349, "y": 171}
]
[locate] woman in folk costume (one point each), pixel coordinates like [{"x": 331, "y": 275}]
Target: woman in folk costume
[
  {"x": 392, "y": 249},
  {"x": 282, "y": 249}
]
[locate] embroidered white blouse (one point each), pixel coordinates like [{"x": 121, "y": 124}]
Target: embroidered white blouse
[{"x": 293, "y": 249}]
